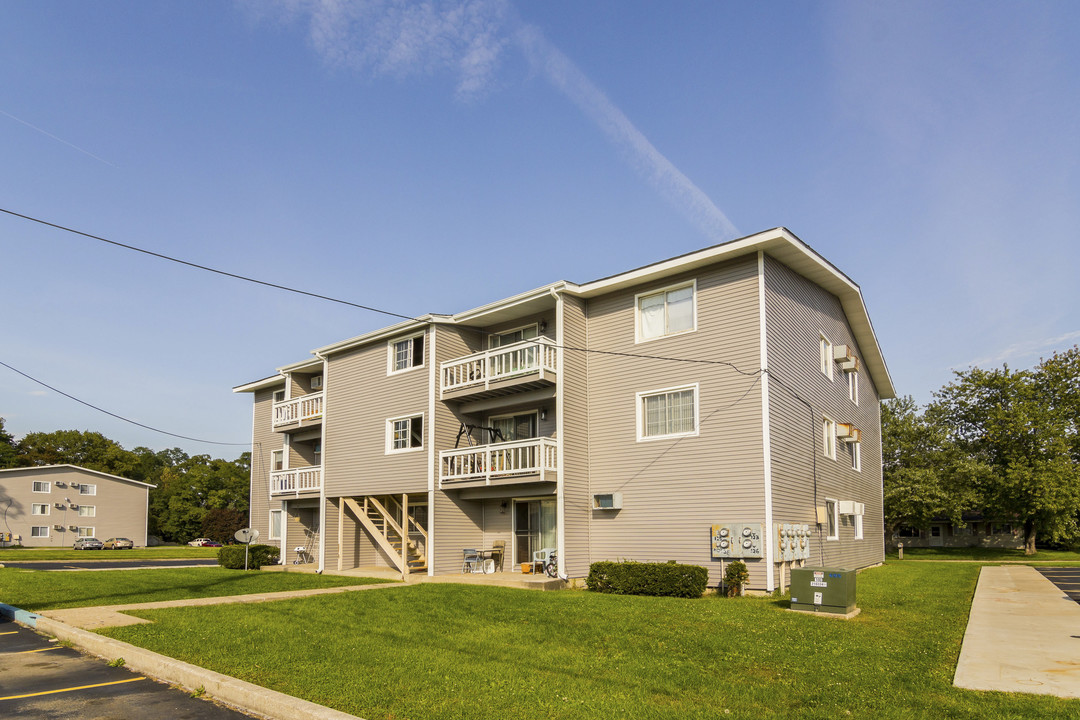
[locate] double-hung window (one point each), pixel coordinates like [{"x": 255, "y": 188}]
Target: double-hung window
[
  {"x": 88, "y": 511},
  {"x": 86, "y": 531},
  {"x": 42, "y": 486},
  {"x": 832, "y": 520},
  {"x": 39, "y": 508},
  {"x": 856, "y": 456},
  {"x": 828, "y": 437},
  {"x": 666, "y": 312},
  {"x": 406, "y": 433},
  {"x": 39, "y": 531},
  {"x": 853, "y": 386},
  {"x": 406, "y": 354},
  {"x": 825, "y": 350},
  {"x": 275, "y": 524},
  {"x": 86, "y": 489},
  {"x": 672, "y": 412}
]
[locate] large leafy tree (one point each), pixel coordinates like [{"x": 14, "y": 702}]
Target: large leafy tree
[
  {"x": 925, "y": 475},
  {"x": 9, "y": 452},
  {"x": 1020, "y": 425},
  {"x": 77, "y": 447},
  {"x": 190, "y": 490}
]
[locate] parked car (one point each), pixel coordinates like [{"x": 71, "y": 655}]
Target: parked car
[
  {"x": 211, "y": 543},
  {"x": 118, "y": 544},
  {"x": 203, "y": 542},
  {"x": 85, "y": 543}
]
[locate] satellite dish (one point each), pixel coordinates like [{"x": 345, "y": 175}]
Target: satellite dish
[{"x": 246, "y": 535}]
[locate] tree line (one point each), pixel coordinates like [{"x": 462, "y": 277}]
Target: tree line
[
  {"x": 195, "y": 495},
  {"x": 1002, "y": 442}
]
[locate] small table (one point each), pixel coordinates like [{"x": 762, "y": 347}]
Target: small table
[{"x": 490, "y": 559}]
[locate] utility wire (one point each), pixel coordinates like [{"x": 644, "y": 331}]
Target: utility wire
[
  {"x": 206, "y": 268},
  {"x": 119, "y": 417}
]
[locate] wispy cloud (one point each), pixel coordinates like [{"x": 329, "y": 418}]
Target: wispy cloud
[
  {"x": 470, "y": 37},
  {"x": 1024, "y": 350},
  {"x": 57, "y": 139}
]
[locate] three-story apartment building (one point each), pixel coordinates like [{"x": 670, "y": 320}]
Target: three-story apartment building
[{"x": 626, "y": 417}]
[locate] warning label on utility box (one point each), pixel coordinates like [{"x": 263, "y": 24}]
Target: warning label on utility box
[{"x": 817, "y": 598}]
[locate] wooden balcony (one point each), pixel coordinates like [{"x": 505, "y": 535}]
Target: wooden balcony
[
  {"x": 526, "y": 365},
  {"x": 296, "y": 481},
  {"x": 500, "y": 463},
  {"x": 301, "y": 412}
]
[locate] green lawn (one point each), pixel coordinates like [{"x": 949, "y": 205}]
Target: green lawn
[
  {"x": 456, "y": 651},
  {"x": 164, "y": 552},
  {"x": 988, "y": 555},
  {"x": 48, "y": 590}
]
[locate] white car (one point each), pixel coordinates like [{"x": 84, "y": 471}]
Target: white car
[{"x": 199, "y": 542}]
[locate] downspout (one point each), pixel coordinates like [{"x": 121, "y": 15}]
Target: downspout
[
  {"x": 322, "y": 464},
  {"x": 560, "y": 465}
]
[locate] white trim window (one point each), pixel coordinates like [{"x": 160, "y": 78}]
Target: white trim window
[
  {"x": 86, "y": 531},
  {"x": 509, "y": 337},
  {"x": 405, "y": 434},
  {"x": 279, "y": 396},
  {"x": 856, "y": 456},
  {"x": 42, "y": 486},
  {"x": 276, "y": 517},
  {"x": 88, "y": 511},
  {"x": 828, "y": 437},
  {"x": 832, "y": 519},
  {"x": 825, "y": 350},
  {"x": 39, "y": 508},
  {"x": 277, "y": 460},
  {"x": 853, "y": 386},
  {"x": 39, "y": 531},
  {"x": 667, "y": 413},
  {"x": 87, "y": 489},
  {"x": 858, "y": 526},
  {"x": 405, "y": 354},
  {"x": 669, "y": 311}
]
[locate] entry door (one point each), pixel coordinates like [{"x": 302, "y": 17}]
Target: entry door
[
  {"x": 534, "y": 528},
  {"x": 935, "y": 536}
]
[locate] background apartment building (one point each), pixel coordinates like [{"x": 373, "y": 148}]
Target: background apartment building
[{"x": 625, "y": 418}]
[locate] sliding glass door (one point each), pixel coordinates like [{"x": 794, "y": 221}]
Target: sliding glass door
[{"x": 534, "y": 528}]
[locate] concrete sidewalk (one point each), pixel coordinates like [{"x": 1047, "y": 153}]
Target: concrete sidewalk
[{"x": 1023, "y": 635}]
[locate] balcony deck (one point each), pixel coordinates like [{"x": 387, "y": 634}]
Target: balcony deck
[
  {"x": 303, "y": 481},
  {"x": 526, "y": 365},
  {"x": 509, "y": 463},
  {"x": 302, "y": 412}
]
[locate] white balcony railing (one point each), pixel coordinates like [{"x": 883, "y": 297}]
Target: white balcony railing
[
  {"x": 306, "y": 407},
  {"x": 500, "y": 460},
  {"x": 483, "y": 368},
  {"x": 297, "y": 480}
]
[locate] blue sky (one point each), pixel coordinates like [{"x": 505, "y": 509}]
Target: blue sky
[{"x": 432, "y": 157}]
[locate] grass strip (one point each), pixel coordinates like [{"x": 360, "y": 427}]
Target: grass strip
[
  {"x": 156, "y": 553},
  {"x": 457, "y": 651},
  {"x": 988, "y": 555},
  {"x": 47, "y": 590}
]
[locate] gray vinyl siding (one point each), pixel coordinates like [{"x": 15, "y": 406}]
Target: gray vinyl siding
[
  {"x": 360, "y": 398},
  {"x": 120, "y": 506},
  {"x": 264, "y": 442},
  {"x": 798, "y": 312},
  {"x": 574, "y": 387},
  {"x": 456, "y": 524},
  {"x": 674, "y": 490}
]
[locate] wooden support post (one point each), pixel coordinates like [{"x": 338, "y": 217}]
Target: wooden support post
[
  {"x": 340, "y": 531},
  {"x": 404, "y": 537}
]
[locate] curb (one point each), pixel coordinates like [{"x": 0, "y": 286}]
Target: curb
[{"x": 229, "y": 690}]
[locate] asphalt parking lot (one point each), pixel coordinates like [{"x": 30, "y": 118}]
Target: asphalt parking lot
[
  {"x": 1067, "y": 579},
  {"x": 43, "y": 680}
]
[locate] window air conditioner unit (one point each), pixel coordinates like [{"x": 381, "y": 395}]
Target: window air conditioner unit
[
  {"x": 850, "y": 507},
  {"x": 845, "y": 355},
  {"x": 848, "y": 432},
  {"x": 58, "y": 483},
  {"x": 73, "y": 528},
  {"x": 607, "y": 501},
  {"x": 58, "y": 527},
  {"x": 59, "y": 506},
  {"x": 316, "y": 382},
  {"x": 73, "y": 506},
  {"x": 74, "y": 486}
]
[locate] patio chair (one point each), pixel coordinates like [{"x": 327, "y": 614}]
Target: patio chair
[
  {"x": 472, "y": 561},
  {"x": 498, "y": 552},
  {"x": 540, "y": 558}
]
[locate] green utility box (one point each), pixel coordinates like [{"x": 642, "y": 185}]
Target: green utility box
[{"x": 824, "y": 590}]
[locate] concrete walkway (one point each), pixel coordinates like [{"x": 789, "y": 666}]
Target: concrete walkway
[{"x": 1023, "y": 635}]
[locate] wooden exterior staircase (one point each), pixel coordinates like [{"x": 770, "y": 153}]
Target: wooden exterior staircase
[{"x": 378, "y": 515}]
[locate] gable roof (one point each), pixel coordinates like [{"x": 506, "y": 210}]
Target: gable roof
[{"x": 77, "y": 468}]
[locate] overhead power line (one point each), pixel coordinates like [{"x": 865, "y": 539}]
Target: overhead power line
[{"x": 119, "y": 417}]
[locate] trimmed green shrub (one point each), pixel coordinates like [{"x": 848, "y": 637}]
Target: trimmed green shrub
[
  {"x": 668, "y": 579},
  {"x": 735, "y": 576},
  {"x": 232, "y": 556}
]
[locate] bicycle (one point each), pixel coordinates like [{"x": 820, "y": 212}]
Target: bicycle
[{"x": 551, "y": 565}]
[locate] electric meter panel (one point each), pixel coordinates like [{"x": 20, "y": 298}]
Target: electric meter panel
[
  {"x": 737, "y": 540},
  {"x": 792, "y": 541}
]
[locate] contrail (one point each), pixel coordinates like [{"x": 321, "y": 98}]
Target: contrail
[
  {"x": 58, "y": 139},
  {"x": 664, "y": 176}
]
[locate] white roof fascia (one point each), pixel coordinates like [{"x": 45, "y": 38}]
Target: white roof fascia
[
  {"x": 260, "y": 384},
  {"x": 463, "y": 318},
  {"x": 382, "y": 334},
  {"x": 110, "y": 476}
]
